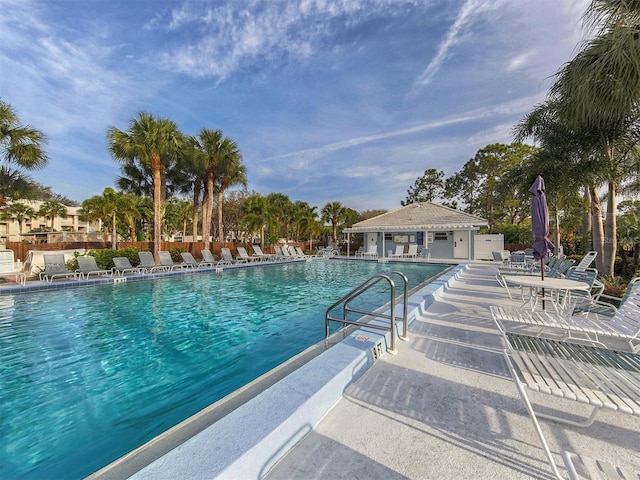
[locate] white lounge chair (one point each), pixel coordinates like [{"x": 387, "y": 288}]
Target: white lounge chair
[
  {"x": 87, "y": 266},
  {"x": 399, "y": 253},
  {"x": 228, "y": 257},
  {"x": 594, "y": 468},
  {"x": 148, "y": 263},
  {"x": 372, "y": 252},
  {"x": 122, "y": 266},
  {"x": 624, "y": 325},
  {"x": 301, "y": 254},
  {"x": 55, "y": 267},
  {"x": 8, "y": 270},
  {"x": 586, "y": 260},
  {"x": 167, "y": 261},
  {"x": 261, "y": 255},
  {"x": 208, "y": 257},
  {"x": 191, "y": 262},
  {"x": 601, "y": 378},
  {"x": 242, "y": 252},
  {"x": 412, "y": 251}
]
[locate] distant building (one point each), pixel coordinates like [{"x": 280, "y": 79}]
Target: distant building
[
  {"x": 446, "y": 232},
  {"x": 66, "y": 229}
]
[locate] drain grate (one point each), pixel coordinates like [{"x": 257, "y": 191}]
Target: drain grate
[{"x": 119, "y": 280}]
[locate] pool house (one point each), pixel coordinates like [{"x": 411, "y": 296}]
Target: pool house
[{"x": 439, "y": 232}]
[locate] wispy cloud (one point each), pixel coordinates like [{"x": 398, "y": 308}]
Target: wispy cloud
[
  {"x": 306, "y": 156},
  {"x": 239, "y": 35}
]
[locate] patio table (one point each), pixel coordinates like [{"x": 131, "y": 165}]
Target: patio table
[{"x": 559, "y": 289}]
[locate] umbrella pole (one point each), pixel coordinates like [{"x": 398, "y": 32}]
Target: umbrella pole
[{"x": 542, "y": 278}]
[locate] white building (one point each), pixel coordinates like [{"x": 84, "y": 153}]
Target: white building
[{"x": 446, "y": 232}]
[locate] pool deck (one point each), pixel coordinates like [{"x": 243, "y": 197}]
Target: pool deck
[{"x": 444, "y": 406}]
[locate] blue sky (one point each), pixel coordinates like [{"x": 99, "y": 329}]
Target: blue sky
[{"x": 344, "y": 101}]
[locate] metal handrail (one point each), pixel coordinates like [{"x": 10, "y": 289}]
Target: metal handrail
[{"x": 345, "y": 299}]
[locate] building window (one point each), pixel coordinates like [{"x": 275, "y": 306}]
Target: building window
[
  {"x": 440, "y": 236},
  {"x": 387, "y": 237}
]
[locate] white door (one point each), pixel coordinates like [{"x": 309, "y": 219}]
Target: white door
[{"x": 461, "y": 244}]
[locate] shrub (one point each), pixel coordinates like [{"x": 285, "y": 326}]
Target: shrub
[
  {"x": 614, "y": 286},
  {"x": 175, "y": 254}
]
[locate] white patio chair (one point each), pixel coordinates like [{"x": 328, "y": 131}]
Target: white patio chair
[
  {"x": 412, "y": 251},
  {"x": 372, "y": 252},
  {"x": 624, "y": 325},
  {"x": 601, "y": 378},
  {"x": 87, "y": 266}
]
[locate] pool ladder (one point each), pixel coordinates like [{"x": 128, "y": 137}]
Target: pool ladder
[{"x": 375, "y": 279}]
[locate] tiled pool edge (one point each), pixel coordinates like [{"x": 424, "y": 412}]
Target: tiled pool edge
[{"x": 250, "y": 440}]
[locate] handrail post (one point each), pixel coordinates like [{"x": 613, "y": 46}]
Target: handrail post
[{"x": 345, "y": 299}]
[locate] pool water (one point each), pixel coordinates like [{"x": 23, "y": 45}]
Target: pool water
[{"x": 89, "y": 374}]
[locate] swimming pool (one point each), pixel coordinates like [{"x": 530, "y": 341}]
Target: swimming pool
[{"x": 89, "y": 374}]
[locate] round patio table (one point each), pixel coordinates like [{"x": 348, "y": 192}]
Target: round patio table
[{"x": 559, "y": 289}]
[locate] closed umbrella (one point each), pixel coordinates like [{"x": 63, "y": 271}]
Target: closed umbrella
[{"x": 542, "y": 246}]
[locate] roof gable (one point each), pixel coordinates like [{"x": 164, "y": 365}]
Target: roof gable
[{"x": 420, "y": 216}]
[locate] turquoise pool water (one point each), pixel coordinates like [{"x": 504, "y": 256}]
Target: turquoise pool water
[{"x": 88, "y": 374}]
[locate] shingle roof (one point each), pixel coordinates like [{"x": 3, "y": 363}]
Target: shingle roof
[{"x": 420, "y": 216}]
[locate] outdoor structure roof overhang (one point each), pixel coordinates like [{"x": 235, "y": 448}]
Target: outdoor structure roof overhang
[
  {"x": 411, "y": 228},
  {"x": 420, "y": 217}
]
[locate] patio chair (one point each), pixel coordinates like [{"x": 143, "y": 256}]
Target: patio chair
[
  {"x": 261, "y": 255},
  {"x": 412, "y": 251},
  {"x": 586, "y": 260},
  {"x": 190, "y": 261},
  {"x": 594, "y": 468},
  {"x": 208, "y": 257},
  {"x": 149, "y": 264},
  {"x": 55, "y": 267},
  {"x": 623, "y": 325},
  {"x": 372, "y": 252},
  {"x": 87, "y": 266},
  {"x": 167, "y": 261},
  {"x": 399, "y": 253},
  {"x": 226, "y": 256},
  {"x": 8, "y": 270},
  {"x": 606, "y": 305},
  {"x": 301, "y": 254},
  {"x": 601, "y": 378},
  {"x": 122, "y": 266},
  {"x": 242, "y": 253}
]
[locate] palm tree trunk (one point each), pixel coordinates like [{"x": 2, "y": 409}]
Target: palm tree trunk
[
  {"x": 598, "y": 230},
  {"x": 610, "y": 232},
  {"x": 220, "y": 225},
  {"x": 586, "y": 221},
  {"x": 196, "y": 208},
  {"x": 157, "y": 206},
  {"x": 114, "y": 239}
]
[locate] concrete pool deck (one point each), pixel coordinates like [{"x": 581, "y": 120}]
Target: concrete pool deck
[
  {"x": 446, "y": 407},
  {"x": 443, "y": 407}
]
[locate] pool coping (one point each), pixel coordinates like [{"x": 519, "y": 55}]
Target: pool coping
[{"x": 249, "y": 440}]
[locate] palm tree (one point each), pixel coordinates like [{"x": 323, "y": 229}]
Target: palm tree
[
  {"x": 334, "y": 213},
  {"x": 53, "y": 210},
  {"x": 597, "y": 94},
  {"x": 20, "y": 212},
  {"x": 231, "y": 172},
  {"x": 14, "y": 184},
  {"x": 19, "y": 144},
  {"x": 154, "y": 143},
  {"x": 102, "y": 208},
  {"x": 307, "y": 219},
  {"x": 209, "y": 145},
  {"x": 257, "y": 216}
]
